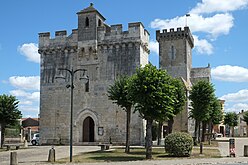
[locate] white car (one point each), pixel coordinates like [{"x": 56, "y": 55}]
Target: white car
[
  {"x": 35, "y": 140},
  {"x": 218, "y": 134}
]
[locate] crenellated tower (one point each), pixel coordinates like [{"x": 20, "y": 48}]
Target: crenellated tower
[{"x": 175, "y": 51}]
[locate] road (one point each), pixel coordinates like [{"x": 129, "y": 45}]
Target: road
[{"x": 38, "y": 155}]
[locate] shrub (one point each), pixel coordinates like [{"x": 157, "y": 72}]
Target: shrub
[{"x": 178, "y": 144}]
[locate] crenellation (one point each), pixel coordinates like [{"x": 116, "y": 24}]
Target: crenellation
[
  {"x": 62, "y": 33},
  {"x": 174, "y": 35},
  {"x": 44, "y": 35},
  {"x": 116, "y": 29},
  {"x": 135, "y": 33}
]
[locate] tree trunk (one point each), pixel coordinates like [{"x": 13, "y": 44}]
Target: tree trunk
[
  {"x": 149, "y": 138},
  {"x": 159, "y": 132},
  {"x": 195, "y": 133},
  {"x": 170, "y": 124},
  {"x": 199, "y": 131},
  {"x": 203, "y": 131},
  {"x": 232, "y": 131},
  {"x": 196, "y": 124},
  {"x": 2, "y": 134},
  {"x": 127, "y": 149},
  {"x": 247, "y": 130}
]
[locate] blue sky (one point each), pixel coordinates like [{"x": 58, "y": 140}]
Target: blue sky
[{"x": 219, "y": 28}]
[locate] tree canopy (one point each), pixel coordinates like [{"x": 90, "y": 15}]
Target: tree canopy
[
  {"x": 119, "y": 92},
  {"x": 179, "y": 101},
  {"x": 216, "y": 112},
  {"x": 180, "y": 96},
  {"x": 9, "y": 113},
  {"x": 246, "y": 117},
  {"x": 152, "y": 91},
  {"x": 202, "y": 95},
  {"x": 231, "y": 119}
]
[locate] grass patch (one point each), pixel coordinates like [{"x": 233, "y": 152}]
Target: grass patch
[
  {"x": 212, "y": 144},
  {"x": 118, "y": 155}
]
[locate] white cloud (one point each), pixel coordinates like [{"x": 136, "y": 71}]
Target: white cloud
[
  {"x": 230, "y": 73},
  {"x": 219, "y": 24},
  {"x": 30, "y": 50},
  {"x": 29, "y": 109},
  {"x": 27, "y": 83},
  {"x": 34, "y": 96},
  {"x": 27, "y": 102},
  {"x": 240, "y": 96},
  {"x": 237, "y": 108},
  {"x": 211, "y": 6},
  {"x": 218, "y": 21},
  {"x": 27, "y": 93},
  {"x": 202, "y": 46},
  {"x": 154, "y": 47}
]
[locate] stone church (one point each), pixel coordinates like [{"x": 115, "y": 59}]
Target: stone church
[{"x": 104, "y": 52}]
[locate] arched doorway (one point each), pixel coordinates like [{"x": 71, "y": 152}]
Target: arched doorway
[{"x": 88, "y": 130}]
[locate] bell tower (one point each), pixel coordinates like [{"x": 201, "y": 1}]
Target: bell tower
[
  {"x": 175, "y": 51},
  {"x": 88, "y": 21}
]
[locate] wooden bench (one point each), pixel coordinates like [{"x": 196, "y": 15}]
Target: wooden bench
[
  {"x": 104, "y": 146},
  {"x": 17, "y": 146}
]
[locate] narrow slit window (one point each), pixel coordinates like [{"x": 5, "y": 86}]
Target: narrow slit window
[
  {"x": 87, "y": 22},
  {"x": 172, "y": 52},
  {"x": 87, "y": 87},
  {"x": 99, "y": 22}
]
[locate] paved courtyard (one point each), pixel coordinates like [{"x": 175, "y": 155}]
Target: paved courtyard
[{"x": 38, "y": 155}]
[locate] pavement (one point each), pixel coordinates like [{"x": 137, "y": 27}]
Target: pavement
[
  {"x": 35, "y": 155},
  {"x": 38, "y": 155}
]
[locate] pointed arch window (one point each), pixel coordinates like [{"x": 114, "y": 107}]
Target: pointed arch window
[{"x": 87, "y": 22}]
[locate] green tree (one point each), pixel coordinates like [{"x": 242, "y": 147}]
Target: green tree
[
  {"x": 231, "y": 119},
  {"x": 119, "y": 93},
  {"x": 9, "y": 113},
  {"x": 153, "y": 95},
  {"x": 216, "y": 113},
  {"x": 201, "y": 95},
  {"x": 246, "y": 120},
  {"x": 179, "y": 101}
]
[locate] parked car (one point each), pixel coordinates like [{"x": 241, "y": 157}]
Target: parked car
[
  {"x": 35, "y": 139},
  {"x": 218, "y": 134}
]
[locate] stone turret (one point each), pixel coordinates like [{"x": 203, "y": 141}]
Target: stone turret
[
  {"x": 175, "y": 53},
  {"x": 88, "y": 21}
]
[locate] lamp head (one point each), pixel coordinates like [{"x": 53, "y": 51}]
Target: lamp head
[{"x": 84, "y": 79}]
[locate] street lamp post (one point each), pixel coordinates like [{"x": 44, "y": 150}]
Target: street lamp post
[{"x": 72, "y": 72}]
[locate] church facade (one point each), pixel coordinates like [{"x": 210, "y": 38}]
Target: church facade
[{"x": 105, "y": 52}]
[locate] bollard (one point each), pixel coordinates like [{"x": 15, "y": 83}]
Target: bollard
[
  {"x": 51, "y": 156},
  {"x": 13, "y": 158},
  {"x": 201, "y": 148},
  {"x": 245, "y": 150},
  {"x": 232, "y": 147},
  {"x": 25, "y": 144}
]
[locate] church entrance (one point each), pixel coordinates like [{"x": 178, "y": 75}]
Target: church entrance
[{"x": 88, "y": 130}]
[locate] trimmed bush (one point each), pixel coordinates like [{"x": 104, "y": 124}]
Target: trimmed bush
[{"x": 178, "y": 144}]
